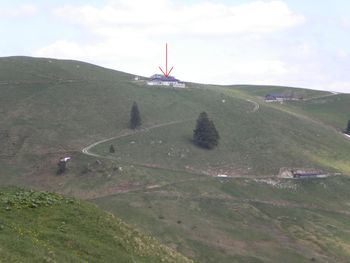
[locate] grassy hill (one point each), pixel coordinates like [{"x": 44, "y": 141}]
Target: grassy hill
[
  {"x": 160, "y": 182},
  {"x": 59, "y": 106},
  {"x": 241, "y": 220},
  {"x": 252, "y": 142},
  {"x": 46, "y": 227},
  {"x": 328, "y": 107}
]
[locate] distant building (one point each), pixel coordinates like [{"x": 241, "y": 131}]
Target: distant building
[
  {"x": 161, "y": 80},
  {"x": 303, "y": 174},
  {"x": 275, "y": 97}
]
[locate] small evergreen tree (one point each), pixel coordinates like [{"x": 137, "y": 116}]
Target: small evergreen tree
[
  {"x": 347, "y": 131},
  {"x": 205, "y": 135},
  {"x": 111, "y": 149},
  {"x": 135, "y": 119}
]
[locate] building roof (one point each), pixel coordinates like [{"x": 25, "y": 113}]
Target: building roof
[
  {"x": 160, "y": 77},
  {"x": 277, "y": 95},
  {"x": 307, "y": 172}
]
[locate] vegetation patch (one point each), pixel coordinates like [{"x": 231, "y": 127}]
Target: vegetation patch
[
  {"x": 31, "y": 199},
  {"x": 62, "y": 229}
]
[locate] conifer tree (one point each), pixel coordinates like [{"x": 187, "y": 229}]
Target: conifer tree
[
  {"x": 111, "y": 149},
  {"x": 205, "y": 135},
  {"x": 135, "y": 119},
  {"x": 347, "y": 131}
]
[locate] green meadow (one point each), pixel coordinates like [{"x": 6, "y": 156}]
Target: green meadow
[{"x": 157, "y": 181}]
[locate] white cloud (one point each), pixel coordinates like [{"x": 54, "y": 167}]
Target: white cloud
[
  {"x": 18, "y": 11},
  {"x": 342, "y": 54},
  {"x": 345, "y": 22},
  {"x": 342, "y": 86},
  {"x": 63, "y": 49},
  {"x": 266, "y": 71},
  {"x": 165, "y": 17},
  {"x": 209, "y": 42},
  {"x": 262, "y": 67},
  {"x": 130, "y": 35},
  {"x": 108, "y": 50}
]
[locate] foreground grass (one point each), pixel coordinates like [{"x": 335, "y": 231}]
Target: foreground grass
[
  {"x": 45, "y": 227},
  {"x": 245, "y": 220}
]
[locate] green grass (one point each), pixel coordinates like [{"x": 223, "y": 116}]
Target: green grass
[
  {"x": 262, "y": 91},
  {"x": 46, "y": 227},
  {"x": 259, "y": 143},
  {"x": 333, "y": 110},
  {"x": 158, "y": 181},
  {"x": 237, "y": 220},
  {"x": 58, "y": 106}
]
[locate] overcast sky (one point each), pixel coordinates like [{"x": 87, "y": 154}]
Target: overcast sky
[{"x": 302, "y": 43}]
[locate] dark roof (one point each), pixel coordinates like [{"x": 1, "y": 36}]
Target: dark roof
[
  {"x": 306, "y": 174},
  {"x": 277, "y": 96},
  {"x": 311, "y": 172},
  {"x": 159, "y": 77}
]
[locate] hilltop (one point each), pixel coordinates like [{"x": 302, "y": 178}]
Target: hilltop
[{"x": 158, "y": 181}]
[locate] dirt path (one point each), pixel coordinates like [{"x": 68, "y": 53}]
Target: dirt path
[
  {"x": 136, "y": 188},
  {"x": 284, "y": 203},
  {"x": 87, "y": 149},
  {"x": 323, "y": 96},
  {"x": 256, "y": 106}
]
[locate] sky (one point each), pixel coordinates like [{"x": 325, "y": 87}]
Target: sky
[{"x": 299, "y": 43}]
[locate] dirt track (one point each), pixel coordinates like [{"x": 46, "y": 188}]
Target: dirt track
[{"x": 87, "y": 149}]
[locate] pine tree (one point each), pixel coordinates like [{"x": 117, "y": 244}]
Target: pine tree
[
  {"x": 348, "y": 128},
  {"x": 135, "y": 119},
  {"x": 205, "y": 135},
  {"x": 111, "y": 149}
]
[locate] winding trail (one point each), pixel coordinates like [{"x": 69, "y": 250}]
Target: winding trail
[
  {"x": 256, "y": 105},
  {"x": 323, "y": 96},
  {"x": 116, "y": 190},
  {"x": 87, "y": 149}
]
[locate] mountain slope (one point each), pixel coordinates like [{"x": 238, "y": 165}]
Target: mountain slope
[
  {"x": 160, "y": 182},
  {"x": 61, "y": 106},
  {"x": 45, "y": 227}
]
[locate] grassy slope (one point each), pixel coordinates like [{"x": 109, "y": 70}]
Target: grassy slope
[
  {"x": 44, "y": 227},
  {"x": 261, "y": 91},
  {"x": 206, "y": 219},
  {"x": 242, "y": 220},
  {"x": 58, "y": 106},
  {"x": 330, "y": 108},
  {"x": 327, "y": 109},
  {"x": 256, "y": 143},
  {"x": 333, "y": 110}
]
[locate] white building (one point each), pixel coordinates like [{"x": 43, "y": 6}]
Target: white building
[{"x": 161, "y": 80}]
